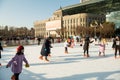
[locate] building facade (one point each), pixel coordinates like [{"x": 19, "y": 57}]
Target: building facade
[
  {"x": 71, "y": 22},
  {"x": 68, "y": 24},
  {"x": 40, "y": 28},
  {"x": 64, "y": 24}
]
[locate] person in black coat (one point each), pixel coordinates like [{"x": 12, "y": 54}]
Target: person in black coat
[
  {"x": 114, "y": 42},
  {"x": 117, "y": 46},
  {"x": 1, "y": 49},
  {"x": 45, "y": 51},
  {"x": 39, "y": 40},
  {"x": 86, "y": 46}
]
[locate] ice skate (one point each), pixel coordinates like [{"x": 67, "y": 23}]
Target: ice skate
[
  {"x": 66, "y": 52},
  {"x": 46, "y": 60},
  {"x": 41, "y": 57},
  {"x": 12, "y": 77}
]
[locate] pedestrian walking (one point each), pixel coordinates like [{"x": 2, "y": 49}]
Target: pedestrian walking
[
  {"x": 16, "y": 62},
  {"x": 86, "y": 46},
  {"x": 46, "y": 49},
  {"x": 117, "y": 46}
]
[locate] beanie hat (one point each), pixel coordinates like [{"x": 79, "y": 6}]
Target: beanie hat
[{"x": 20, "y": 48}]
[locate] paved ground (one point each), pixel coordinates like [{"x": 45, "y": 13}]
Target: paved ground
[{"x": 72, "y": 66}]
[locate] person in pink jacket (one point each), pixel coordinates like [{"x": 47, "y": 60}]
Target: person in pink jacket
[
  {"x": 102, "y": 47},
  {"x": 17, "y": 62}
]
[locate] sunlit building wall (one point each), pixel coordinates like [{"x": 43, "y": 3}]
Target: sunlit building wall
[
  {"x": 71, "y": 22},
  {"x": 40, "y": 28}
]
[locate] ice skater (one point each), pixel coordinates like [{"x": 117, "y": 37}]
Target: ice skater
[
  {"x": 17, "y": 62},
  {"x": 102, "y": 46},
  {"x": 46, "y": 49},
  {"x": 113, "y": 45},
  {"x": 66, "y": 46},
  {"x": 1, "y": 49},
  {"x": 86, "y": 46},
  {"x": 117, "y": 46}
]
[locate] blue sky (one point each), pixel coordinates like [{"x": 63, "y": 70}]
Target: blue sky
[{"x": 22, "y": 13}]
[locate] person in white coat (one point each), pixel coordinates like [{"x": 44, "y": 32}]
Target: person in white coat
[{"x": 66, "y": 46}]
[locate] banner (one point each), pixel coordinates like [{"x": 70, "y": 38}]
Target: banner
[{"x": 53, "y": 25}]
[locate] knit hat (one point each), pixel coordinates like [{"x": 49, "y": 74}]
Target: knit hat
[{"x": 20, "y": 48}]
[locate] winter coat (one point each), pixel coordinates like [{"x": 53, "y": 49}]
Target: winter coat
[
  {"x": 66, "y": 44},
  {"x": 1, "y": 48},
  {"x": 46, "y": 48},
  {"x": 17, "y": 63},
  {"x": 117, "y": 44},
  {"x": 114, "y": 42},
  {"x": 86, "y": 43},
  {"x": 102, "y": 46}
]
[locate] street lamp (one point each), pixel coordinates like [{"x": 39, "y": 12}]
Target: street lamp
[{"x": 94, "y": 24}]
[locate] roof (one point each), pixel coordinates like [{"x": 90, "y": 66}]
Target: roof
[{"x": 81, "y": 4}]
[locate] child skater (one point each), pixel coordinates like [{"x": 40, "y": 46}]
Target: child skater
[
  {"x": 17, "y": 62},
  {"x": 66, "y": 46},
  {"x": 102, "y": 47}
]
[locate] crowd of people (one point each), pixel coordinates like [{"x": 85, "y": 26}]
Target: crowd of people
[
  {"x": 70, "y": 42},
  {"x": 17, "y": 60}
]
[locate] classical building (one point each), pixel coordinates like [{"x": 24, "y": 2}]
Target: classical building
[
  {"x": 71, "y": 22},
  {"x": 40, "y": 28},
  {"x": 64, "y": 22}
]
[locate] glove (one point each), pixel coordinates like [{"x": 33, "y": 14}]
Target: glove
[
  {"x": 7, "y": 66},
  {"x": 27, "y": 65}
]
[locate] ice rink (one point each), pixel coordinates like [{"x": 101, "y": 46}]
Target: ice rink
[{"x": 72, "y": 66}]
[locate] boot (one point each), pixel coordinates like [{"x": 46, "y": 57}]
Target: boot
[
  {"x": 41, "y": 57},
  {"x": 88, "y": 55},
  {"x": 84, "y": 54},
  {"x": 99, "y": 53},
  {"x": 103, "y": 54},
  {"x": 12, "y": 77},
  {"x": 46, "y": 59},
  {"x": 66, "y": 52}
]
